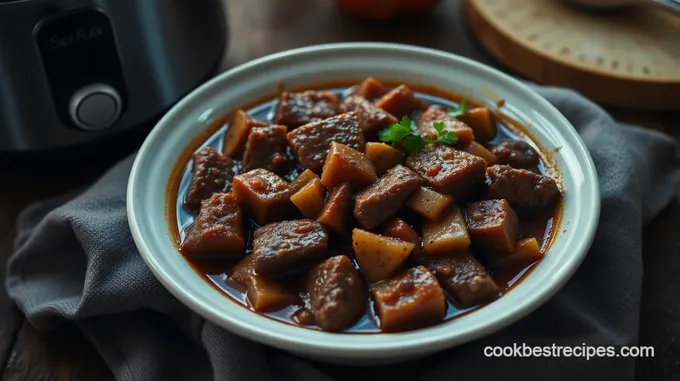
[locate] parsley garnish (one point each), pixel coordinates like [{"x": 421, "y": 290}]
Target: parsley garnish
[
  {"x": 458, "y": 110},
  {"x": 403, "y": 132}
]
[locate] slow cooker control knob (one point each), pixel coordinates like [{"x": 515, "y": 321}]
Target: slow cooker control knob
[{"x": 95, "y": 107}]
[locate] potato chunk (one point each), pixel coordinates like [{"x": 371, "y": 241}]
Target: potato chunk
[
  {"x": 335, "y": 214},
  {"x": 399, "y": 229},
  {"x": 446, "y": 236},
  {"x": 426, "y": 120},
  {"x": 267, "y": 295},
  {"x": 310, "y": 199},
  {"x": 493, "y": 225},
  {"x": 237, "y": 133},
  {"x": 344, "y": 164},
  {"x": 412, "y": 299},
  {"x": 302, "y": 180},
  {"x": 383, "y": 156},
  {"x": 481, "y": 151},
  {"x": 429, "y": 203},
  {"x": 244, "y": 270},
  {"x": 527, "y": 251},
  {"x": 379, "y": 256},
  {"x": 482, "y": 121}
]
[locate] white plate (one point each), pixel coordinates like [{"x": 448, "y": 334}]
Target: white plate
[{"x": 353, "y": 61}]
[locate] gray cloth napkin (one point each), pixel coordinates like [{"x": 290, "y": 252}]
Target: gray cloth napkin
[{"x": 75, "y": 260}]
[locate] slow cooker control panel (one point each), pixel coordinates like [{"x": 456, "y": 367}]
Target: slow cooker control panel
[{"x": 83, "y": 68}]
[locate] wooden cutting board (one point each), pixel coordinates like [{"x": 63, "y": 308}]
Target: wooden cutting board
[{"x": 628, "y": 58}]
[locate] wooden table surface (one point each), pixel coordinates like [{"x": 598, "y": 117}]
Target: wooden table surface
[{"x": 260, "y": 27}]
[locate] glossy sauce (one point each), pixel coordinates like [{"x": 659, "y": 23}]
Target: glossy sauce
[{"x": 217, "y": 272}]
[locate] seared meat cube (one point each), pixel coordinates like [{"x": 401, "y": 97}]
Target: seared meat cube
[
  {"x": 335, "y": 214},
  {"x": 446, "y": 169},
  {"x": 412, "y": 299},
  {"x": 516, "y": 153},
  {"x": 337, "y": 294},
  {"x": 212, "y": 173},
  {"x": 399, "y": 229},
  {"x": 371, "y": 88},
  {"x": 237, "y": 133},
  {"x": 521, "y": 188},
  {"x": 287, "y": 246},
  {"x": 345, "y": 164},
  {"x": 383, "y": 199},
  {"x": 312, "y": 141},
  {"x": 429, "y": 204},
  {"x": 446, "y": 236},
  {"x": 265, "y": 194},
  {"x": 493, "y": 225},
  {"x": 266, "y": 148},
  {"x": 462, "y": 130},
  {"x": 383, "y": 156},
  {"x": 482, "y": 121},
  {"x": 296, "y": 109},
  {"x": 217, "y": 231},
  {"x": 371, "y": 118},
  {"x": 464, "y": 278},
  {"x": 400, "y": 101}
]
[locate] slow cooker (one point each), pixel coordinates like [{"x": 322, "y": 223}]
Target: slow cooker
[{"x": 75, "y": 71}]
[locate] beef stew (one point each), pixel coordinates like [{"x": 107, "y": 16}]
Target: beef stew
[{"x": 343, "y": 230}]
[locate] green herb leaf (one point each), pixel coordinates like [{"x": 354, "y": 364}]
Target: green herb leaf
[
  {"x": 458, "y": 110},
  {"x": 403, "y": 132},
  {"x": 439, "y": 126},
  {"x": 449, "y": 138},
  {"x": 413, "y": 143}
]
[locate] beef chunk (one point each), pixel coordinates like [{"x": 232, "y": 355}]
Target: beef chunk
[
  {"x": 344, "y": 164},
  {"x": 296, "y": 109},
  {"x": 516, "y": 153},
  {"x": 446, "y": 236},
  {"x": 493, "y": 225},
  {"x": 335, "y": 214},
  {"x": 265, "y": 194},
  {"x": 446, "y": 169},
  {"x": 464, "y": 278},
  {"x": 371, "y": 118},
  {"x": 284, "y": 247},
  {"x": 212, "y": 173},
  {"x": 481, "y": 151},
  {"x": 400, "y": 101},
  {"x": 312, "y": 141},
  {"x": 410, "y": 300},
  {"x": 237, "y": 133},
  {"x": 383, "y": 199},
  {"x": 462, "y": 130},
  {"x": 482, "y": 121},
  {"x": 521, "y": 188},
  {"x": 371, "y": 88},
  {"x": 337, "y": 294},
  {"x": 266, "y": 148},
  {"x": 217, "y": 231}
]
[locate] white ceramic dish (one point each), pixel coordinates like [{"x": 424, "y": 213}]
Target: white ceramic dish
[{"x": 326, "y": 63}]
